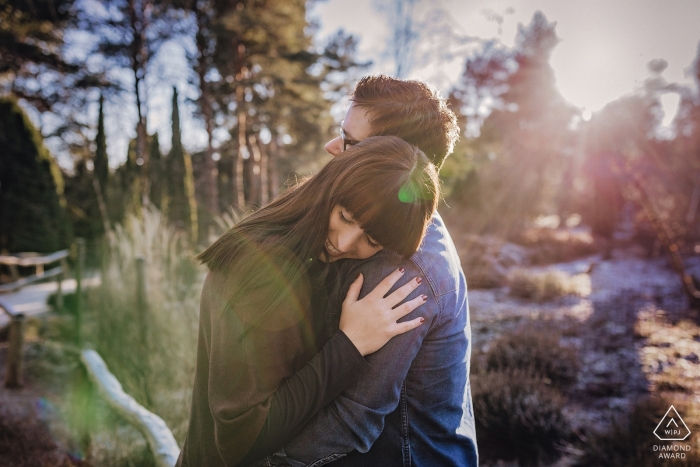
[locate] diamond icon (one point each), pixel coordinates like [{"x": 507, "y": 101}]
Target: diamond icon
[{"x": 672, "y": 427}]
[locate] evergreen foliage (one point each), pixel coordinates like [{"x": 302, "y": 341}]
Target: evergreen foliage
[
  {"x": 83, "y": 208},
  {"x": 182, "y": 205},
  {"x": 36, "y": 67},
  {"x": 101, "y": 162},
  {"x": 272, "y": 84},
  {"x": 32, "y": 206},
  {"x": 156, "y": 173},
  {"x": 31, "y": 36}
]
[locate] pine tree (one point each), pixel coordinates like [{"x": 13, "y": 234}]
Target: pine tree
[
  {"x": 521, "y": 152},
  {"x": 32, "y": 206},
  {"x": 182, "y": 205},
  {"x": 263, "y": 53}
]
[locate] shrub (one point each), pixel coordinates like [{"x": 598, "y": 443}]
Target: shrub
[
  {"x": 541, "y": 286},
  {"x": 32, "y": 205},
  {"x": 537, "y": 352},
  {"x": 518, "y": 416},
  {"x": 629, "y": 442},
  {"x": 549, "y": 245}
]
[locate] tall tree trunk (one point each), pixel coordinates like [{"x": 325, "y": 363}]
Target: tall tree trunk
[
  {"x": 210, "y": 174},
  {"x": 264, "y": 185},
  {"x": 139, "y": 60},
  {"x": 273, "y": 181},
  {"x": 255, "y": 180},
  {"x": 242, "y": 153},
  {"x": 694, "y": 202}
]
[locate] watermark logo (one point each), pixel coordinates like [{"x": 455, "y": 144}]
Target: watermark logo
[{"x": 672, "y": 427}]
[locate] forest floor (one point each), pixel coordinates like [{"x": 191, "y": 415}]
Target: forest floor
[{"x": 33, "y": 432}]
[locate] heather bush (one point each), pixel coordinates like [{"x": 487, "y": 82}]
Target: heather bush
[
  {"x": 518, "y": 417},
  {"x": 536, "y": 351},
  {"x": 542, "y": 286}
]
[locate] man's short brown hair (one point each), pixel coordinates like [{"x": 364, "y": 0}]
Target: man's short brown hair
[{"x": 411, "y": 110}]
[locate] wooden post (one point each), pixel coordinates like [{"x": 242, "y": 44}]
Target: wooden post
[
  {"x": 60, "y": 278},
  {"x": 141, "y": 300},
  {"x": 142, "y": 310},
  {"x": 80, "y": 265},
  {"x": 14, "y": 272},
  {"x": 13, "y": 376}
]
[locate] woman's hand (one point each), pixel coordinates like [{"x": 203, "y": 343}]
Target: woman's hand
[{"x": 370, "y": 323}]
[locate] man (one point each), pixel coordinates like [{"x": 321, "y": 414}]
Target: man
[{"x": 413, "y": 407}]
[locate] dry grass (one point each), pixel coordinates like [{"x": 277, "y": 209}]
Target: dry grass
[
  {"x": 152, "y": 354},
  {"x": 546, "y": 285},
  {"x": 671, "y": 355}
]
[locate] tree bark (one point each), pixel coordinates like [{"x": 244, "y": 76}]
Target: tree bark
[
  {"x": 264, "y": 173},
  {"x": 255, "y": 180},
  {"x": 205, "y": 104},
  {"x": 139, "y": 60},
  {"x": 273, "y": 182}
]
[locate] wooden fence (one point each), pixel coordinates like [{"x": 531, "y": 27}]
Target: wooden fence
[{"x": 39, "y": 262}]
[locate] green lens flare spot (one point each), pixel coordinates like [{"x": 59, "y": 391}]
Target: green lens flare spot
[{"x": 407, "y": 194}]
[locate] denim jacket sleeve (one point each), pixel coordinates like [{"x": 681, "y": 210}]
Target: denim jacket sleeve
[{"x": 355, "y": 419}]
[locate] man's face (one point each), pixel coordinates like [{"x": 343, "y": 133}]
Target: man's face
[{"x": 356, "y": 128}]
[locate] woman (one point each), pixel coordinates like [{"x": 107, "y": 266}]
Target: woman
[{"x": 261, "y": 374}]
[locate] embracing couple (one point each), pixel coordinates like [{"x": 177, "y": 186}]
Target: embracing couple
[{"x": 334, "y": 323}]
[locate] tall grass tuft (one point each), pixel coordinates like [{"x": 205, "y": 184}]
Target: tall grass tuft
[{"x": 151, "y": 352}]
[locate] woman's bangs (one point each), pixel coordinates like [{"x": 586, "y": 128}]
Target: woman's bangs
[{"x": 395, "y": 224}]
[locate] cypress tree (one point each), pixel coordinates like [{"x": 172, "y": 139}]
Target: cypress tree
[
  {"x": 182, "y": 205},
  {"x": 101, "y": 164},
  {"x": 155, "y": 172},
  {"x": 32, "y": 206},
  {"x": 128, "y": 186},
  {"x": 83, "y": 205}
]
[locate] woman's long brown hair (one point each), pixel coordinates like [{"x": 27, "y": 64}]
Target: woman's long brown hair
[{"x": 388, "y": 186}]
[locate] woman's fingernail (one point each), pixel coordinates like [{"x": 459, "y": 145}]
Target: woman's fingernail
[
  {"x": 424, "y": 297},
  {"x": 422, "y": 320},
  {"x": 418, "y": 280},
  {"x": 401, "y": 270}
]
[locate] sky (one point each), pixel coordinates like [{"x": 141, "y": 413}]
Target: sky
[{"x": 603, "y": 54}]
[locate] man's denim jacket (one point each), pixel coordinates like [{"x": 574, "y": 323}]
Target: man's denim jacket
[{"x": 413, "y": 407}]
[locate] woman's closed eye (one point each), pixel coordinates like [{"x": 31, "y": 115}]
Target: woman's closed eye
[
  {"x": 344, "y": 218},
  {"x": 371, "y": 243}
]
